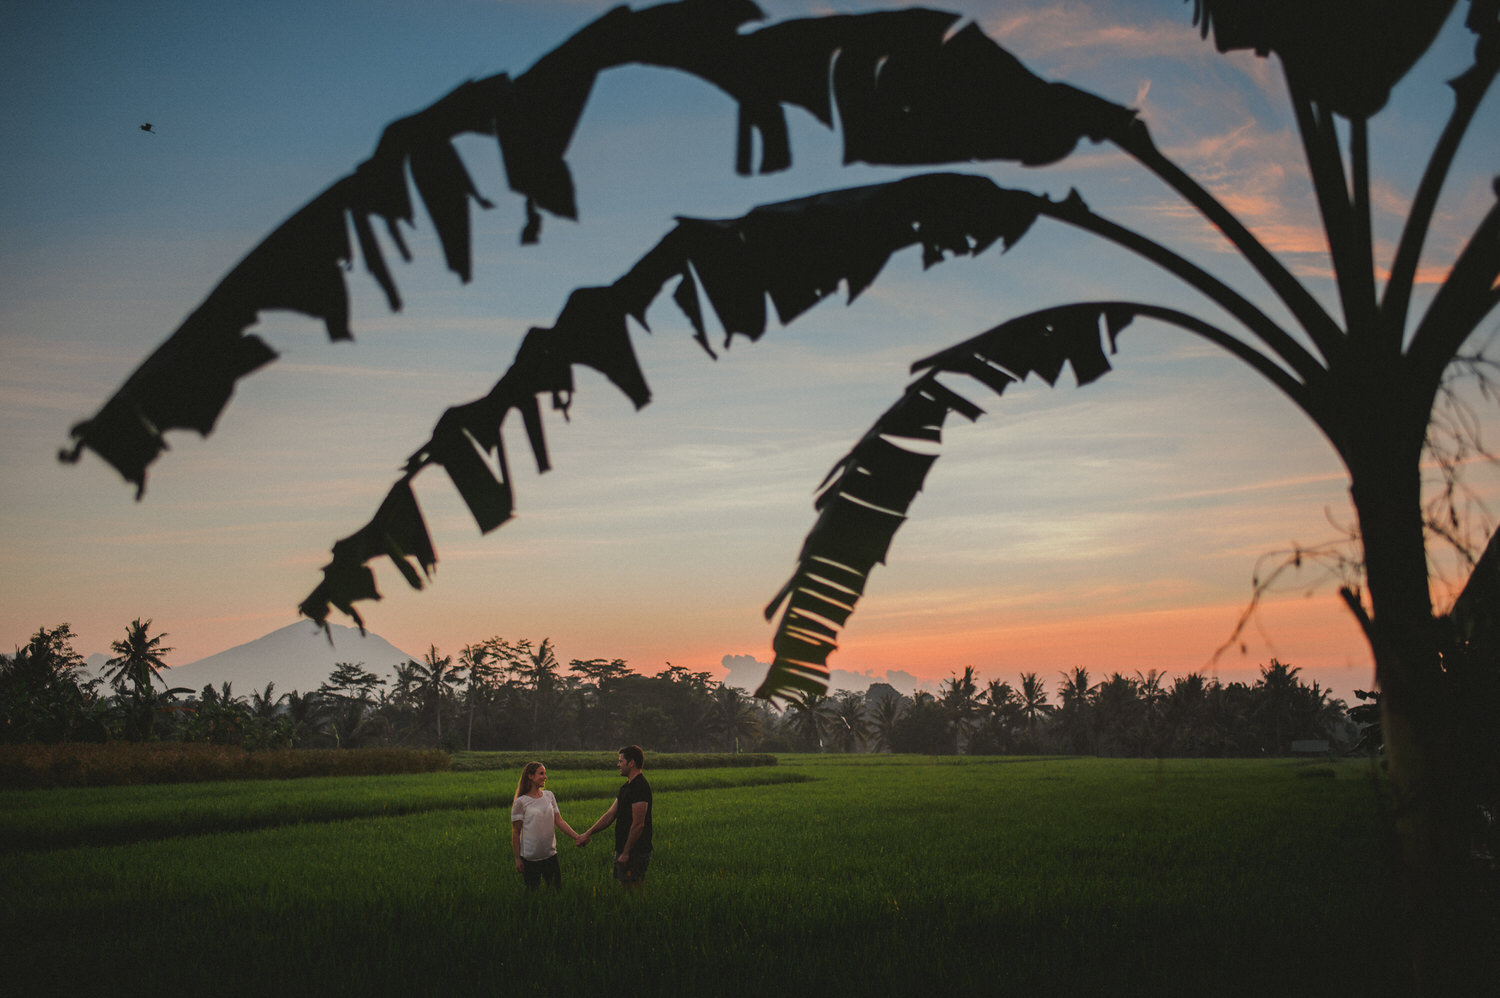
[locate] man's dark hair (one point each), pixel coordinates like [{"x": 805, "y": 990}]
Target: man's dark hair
[{"x": 633, "y": 754}]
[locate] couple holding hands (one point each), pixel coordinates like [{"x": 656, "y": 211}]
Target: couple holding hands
[{"x": 534, "y": 819}]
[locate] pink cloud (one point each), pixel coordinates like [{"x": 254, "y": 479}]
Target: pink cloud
[{"x": 1059, "y": 33}]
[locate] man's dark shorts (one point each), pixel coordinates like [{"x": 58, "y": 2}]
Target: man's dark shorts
[{"x": 633, "y": 870}]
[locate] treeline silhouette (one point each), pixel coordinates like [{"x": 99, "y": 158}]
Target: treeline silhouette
[{"x": 503, "y": 695}]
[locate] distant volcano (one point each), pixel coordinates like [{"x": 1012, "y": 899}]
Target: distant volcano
[{"x": 297, "y": 657}]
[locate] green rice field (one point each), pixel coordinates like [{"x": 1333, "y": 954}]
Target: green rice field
[{"x": 876, "y": 875}]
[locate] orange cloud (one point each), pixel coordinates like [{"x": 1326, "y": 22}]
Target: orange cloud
[
  {"x": 1065, "y": 32},
  {"x": 1317, "y": 635}
]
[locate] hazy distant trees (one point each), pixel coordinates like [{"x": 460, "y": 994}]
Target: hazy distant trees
[
  {"x": 810, "y": 717},
  {"x": 43, "y": 695},
  {"x": 303, "y": 717},
  {"x": 216, "y": 716},
  {"x": 961, "y": 703},
  {"x": 734, "y": 718},
  {"x": 351, "y": 681},
  {"x": 345, "y": 708},
  {"x": 852, "y": 731},
  {"x": 599, "y": 702},
  {"x": 922, "y": 727},
  {"x": 502, "y": 694},
  {"x": 438, "y": 681},
  {"x": 1120, "y": 715},
  {"x": 883, "y": 705}
]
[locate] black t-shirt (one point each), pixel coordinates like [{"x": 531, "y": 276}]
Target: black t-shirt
[{"x": 633, "y": 792}]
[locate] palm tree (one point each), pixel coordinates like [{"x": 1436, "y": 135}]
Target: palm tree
[
  {"x": 906, "y": 90},
  {"x": 307, "y": 714},
  {"x": 352, "y": 722},
  {"x": 883, "y": 720},
  {"x": 923, "y": 727},
  {"x": 224, "y": 695},
  {"x": 1034, "y": 705},
  {"x": 221, "y": 715},
  {"x": 1075, "y": 712},
  {"x": 853, "y": 729},
  {"x": 1276, "y": 696},
  {"x": 1076, "y": 688},
  {"x": 263, "y": 704},
  {"x": 483, "y": 679},
  {"x": 812, "y": 716},
  {"x": 734, "y": 717},
  {"x": 538, "y": 671},
  {"x": 1319, "y": 714},
  {"x": 404, "y": 687},
  {"x": 1001, "y": 708},
  {"x": 1230, "y": 715},
  {"x": 138, "y": 658},
  {"x": 263, "y": 708},
  {"x": 569, "y": 713},
  {"x": 1186, "y": 715},
  {"x": 1118, "y": 712},
  {"x": 960, "y": 700},
  {"x": 436, "y": 678},
  {"x": 1153, "y": 696}
]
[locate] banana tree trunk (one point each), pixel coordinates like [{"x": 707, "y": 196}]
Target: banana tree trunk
[{"x": 1423, "y": 723}]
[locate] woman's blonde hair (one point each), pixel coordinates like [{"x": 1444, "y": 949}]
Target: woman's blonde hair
[{"x": 523, "y": 785}]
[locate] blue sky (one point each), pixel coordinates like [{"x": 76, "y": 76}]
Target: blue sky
[{"x": 1113, "y": 527}]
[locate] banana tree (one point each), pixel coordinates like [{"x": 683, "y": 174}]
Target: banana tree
[{"x": 913, "y": 88}]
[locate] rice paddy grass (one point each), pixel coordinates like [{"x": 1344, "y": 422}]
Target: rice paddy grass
[{"x": 839, "y": 875}]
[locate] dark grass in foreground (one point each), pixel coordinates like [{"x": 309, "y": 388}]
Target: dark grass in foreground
[{"x": 896, "y": 877}]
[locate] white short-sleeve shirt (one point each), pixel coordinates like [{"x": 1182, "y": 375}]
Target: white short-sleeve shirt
[{"x": 538, "y": 831}]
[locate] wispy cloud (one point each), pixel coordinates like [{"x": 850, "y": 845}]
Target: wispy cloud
[
  {"x": 1064, "y": 35},
  {"x": 1258, "y": 486}
]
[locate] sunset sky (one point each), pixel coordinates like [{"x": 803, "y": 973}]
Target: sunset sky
[{"x": 1115, "y": 527}]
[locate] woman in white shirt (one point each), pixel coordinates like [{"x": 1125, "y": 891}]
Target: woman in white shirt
[{"x": 534, "y": 816}]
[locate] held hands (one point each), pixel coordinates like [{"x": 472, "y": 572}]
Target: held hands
[{"x": 582, "y": 839}]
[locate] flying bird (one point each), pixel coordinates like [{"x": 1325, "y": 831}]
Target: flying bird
[{"x": 147, "y": 128}]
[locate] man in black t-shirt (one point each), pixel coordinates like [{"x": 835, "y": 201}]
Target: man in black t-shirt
[{"x": 631, "y": 813}]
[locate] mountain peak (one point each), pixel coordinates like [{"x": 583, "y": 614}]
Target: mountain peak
[{"x": 299, "y": 656}]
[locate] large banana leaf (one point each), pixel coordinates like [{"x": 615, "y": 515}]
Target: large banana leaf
[
  {"x": 864, "y": 499},
  {"x": 1343, "y": 54},
  {"x": 793, "y": 254},
  {"x": 905, "y": 90}
]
